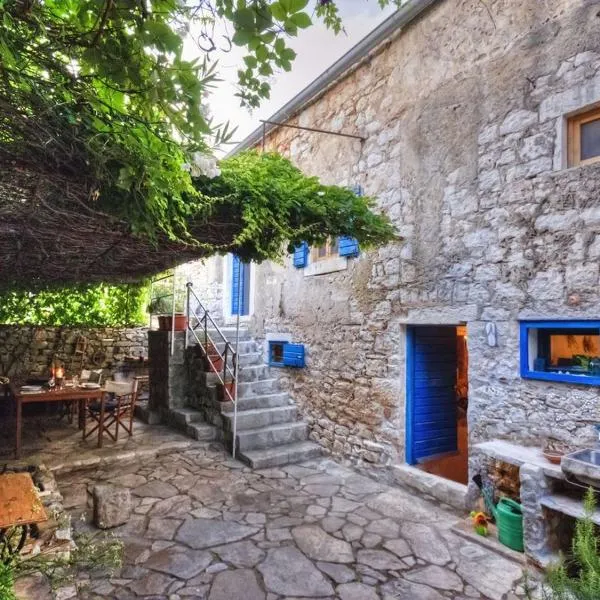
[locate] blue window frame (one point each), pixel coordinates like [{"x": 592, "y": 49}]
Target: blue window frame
[
  {"x": 567, "y": 351},
  {"x": 284, "y": 354}
]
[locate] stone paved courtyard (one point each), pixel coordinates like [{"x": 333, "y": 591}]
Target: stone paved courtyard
[{"x": 206, "y": 527}]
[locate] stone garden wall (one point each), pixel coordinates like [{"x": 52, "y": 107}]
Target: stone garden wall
[
  {"x": 26, "y": 350},
  {"x": 463, "y": 114}
]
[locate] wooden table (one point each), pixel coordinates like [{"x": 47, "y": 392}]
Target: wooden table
[
  {"x": 81, "y": 395},
  {"x": 20, "y": 507}
]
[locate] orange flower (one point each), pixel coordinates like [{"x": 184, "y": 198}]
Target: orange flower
[{"x": 480, "y": 519}]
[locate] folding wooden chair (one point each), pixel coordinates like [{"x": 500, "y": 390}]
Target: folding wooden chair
[{"x": 119, "y": 407}]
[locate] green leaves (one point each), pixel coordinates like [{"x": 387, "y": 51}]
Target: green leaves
[
  {"x": 102, "y": 93},
  {"x": 90, "y": 305},
  {"x": 281, "y": 207},
  {"x": 301, "y": 20}
]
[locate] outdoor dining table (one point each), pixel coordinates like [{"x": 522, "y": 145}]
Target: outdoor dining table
[{"x": 74, "y": 394}]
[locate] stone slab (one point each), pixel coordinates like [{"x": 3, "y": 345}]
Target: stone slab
[
  {"x": 179, "y": 562},
  {"x": 319, "y": 545},
  {"x": 241, "y": 583},
  {"x": 286, "y": 571},
  {"x": 205, "y": 533}
]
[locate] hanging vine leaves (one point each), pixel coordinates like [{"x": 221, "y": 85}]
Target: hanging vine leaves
[{"x": 103, "y": 112}]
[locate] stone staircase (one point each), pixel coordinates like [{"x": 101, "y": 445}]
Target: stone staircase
[{"x": 269, "y": 432}]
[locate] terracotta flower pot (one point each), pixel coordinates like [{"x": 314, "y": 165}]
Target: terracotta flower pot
[
  {"x": 165, "y": 322},
  {"x": 215, "y": 364},
  {"x": 230, "y": 387}
]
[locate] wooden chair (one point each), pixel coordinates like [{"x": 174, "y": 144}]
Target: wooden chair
[
  {"x": 68, "y": 409},
  {"x": 119, "y": 408}
]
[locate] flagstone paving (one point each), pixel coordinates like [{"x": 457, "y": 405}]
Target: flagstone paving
[{"x": 206, "y": 527}]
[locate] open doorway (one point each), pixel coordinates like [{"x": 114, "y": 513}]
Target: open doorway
[{"x": 437, "y": 399}]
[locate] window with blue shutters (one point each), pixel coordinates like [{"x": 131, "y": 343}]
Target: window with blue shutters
[
  {"x": 284, "y": 354},
  {"x": 344, "y": 246}
]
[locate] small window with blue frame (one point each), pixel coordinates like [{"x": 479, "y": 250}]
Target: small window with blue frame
[
  {"x": 286, "y": 354},
  {"x": 567, "y": 351}
]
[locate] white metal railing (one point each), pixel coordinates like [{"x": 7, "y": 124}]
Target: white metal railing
[{"x": 198, "y": 320}]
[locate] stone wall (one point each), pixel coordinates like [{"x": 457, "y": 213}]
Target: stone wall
[
  {"x": 463, "y": 114},
  {"x": 27, "y": 350},
  {"x": 207, "y": 279}
]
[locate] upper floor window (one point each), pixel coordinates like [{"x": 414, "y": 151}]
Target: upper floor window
[
  {"x": 327, "y": 250},
  {"x": 583, "y": 139},
  {"x": 561, "y": 351}
]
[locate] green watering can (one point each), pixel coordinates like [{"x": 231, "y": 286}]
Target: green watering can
[
  {"x": 509, "y": 519},
  {"x": 508, "y": 515}
]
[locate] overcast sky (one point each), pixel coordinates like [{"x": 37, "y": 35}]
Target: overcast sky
[{"x": 316, "y": 48}]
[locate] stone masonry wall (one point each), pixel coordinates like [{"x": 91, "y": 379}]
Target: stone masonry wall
[
  {"x": 28, "y": 350},
  {"x": 207, "y": 279},
  {"x": 464, "y": 117}
]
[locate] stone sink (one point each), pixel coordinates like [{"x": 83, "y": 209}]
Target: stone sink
[{"x": 583, "y": 464}]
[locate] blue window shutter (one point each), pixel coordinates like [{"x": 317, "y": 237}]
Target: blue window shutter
[
  {"x": 235, "y": 280},
  {"x": 293, "y": 355},
  {"x": 240, "y": 282},
  {"x": 301, "y": 255},
  {"x": 348, "y": 246}
]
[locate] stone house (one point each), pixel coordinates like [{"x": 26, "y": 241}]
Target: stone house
[{"x": 481, "y": 140}]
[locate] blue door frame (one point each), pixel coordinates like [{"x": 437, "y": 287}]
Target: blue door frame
[{"x": 431, "y": 418}]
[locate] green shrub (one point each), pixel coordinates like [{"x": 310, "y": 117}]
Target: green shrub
[
  {"x": 96, "y": 305},
  {"x": 7, "y": 581},
  {"x": 578, "y": 576}
]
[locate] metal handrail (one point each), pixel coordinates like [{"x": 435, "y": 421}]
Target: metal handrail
[{"x": 204, "y": 320}]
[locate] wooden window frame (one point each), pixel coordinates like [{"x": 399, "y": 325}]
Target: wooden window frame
[
  {"x": 331, "y": 250},
  {"x": 574, "y": 124}
]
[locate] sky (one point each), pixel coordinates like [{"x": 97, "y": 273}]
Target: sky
[{"x": 316, "y": 47}]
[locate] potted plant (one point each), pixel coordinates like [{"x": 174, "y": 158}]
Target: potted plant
[{"x": 162, "y": 307}]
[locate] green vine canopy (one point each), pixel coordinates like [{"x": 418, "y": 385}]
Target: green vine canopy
[{"x": 102, "y": 123}]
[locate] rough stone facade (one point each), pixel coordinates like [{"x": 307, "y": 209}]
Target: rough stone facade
[
  {"x": 28, "y": 350},
  {"x": 463, "y": 114}
]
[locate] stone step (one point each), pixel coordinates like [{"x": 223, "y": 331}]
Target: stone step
[
  {"x": 202, "y": 432},
  {"x": 229, "y": 333},
  {"x": 256, "y": 388},
  {"x": 182, "y": 417},
  {"x": 280, "y": 455},
  {"x": 259, "y": 401},
  {"x": 244, "y": 347},
  {"x": 254, "y": 373},
  {"x": 250, "y": 358},
  {"x": 260, "y": 417},
  {"x": 273, "y": 435}
]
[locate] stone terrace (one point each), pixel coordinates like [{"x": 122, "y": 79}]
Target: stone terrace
[{"x": 206, "y": 527}]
